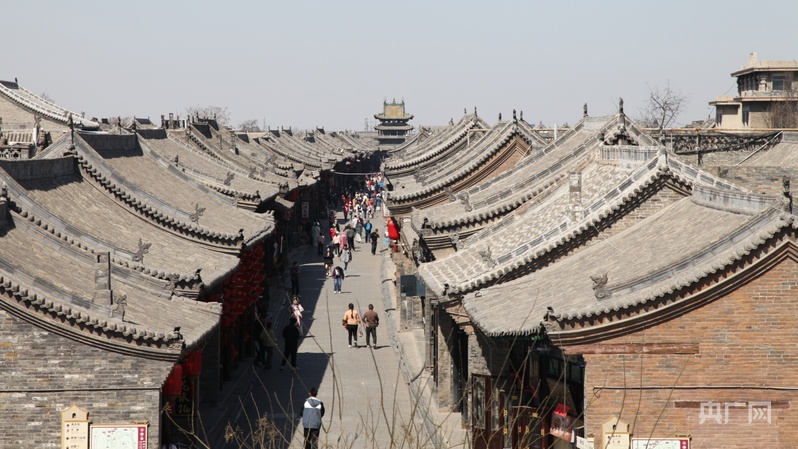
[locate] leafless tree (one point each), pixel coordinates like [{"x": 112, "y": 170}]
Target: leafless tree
[
  {"x": 784, "y": 114},
  {"x": 249, "y": 126},
  {"x": 218, "y": 113},
  {"x": 664, "y": 105}
]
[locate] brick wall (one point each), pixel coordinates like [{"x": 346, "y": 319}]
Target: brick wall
[
  {"x": 744, "y": 339},
  {"x": 44, "y": 373}
]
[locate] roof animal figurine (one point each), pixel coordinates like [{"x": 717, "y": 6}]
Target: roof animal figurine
[
  {"x": 198, "y": 211},
  {"x": 144, "y": 248},
  {"x": 600, "y": 286},
  {"x": 228, "y": 179}
]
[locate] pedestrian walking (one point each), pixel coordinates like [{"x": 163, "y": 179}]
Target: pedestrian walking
[
  {"x": 269, "y": 342},
  {"x": 312, "y": 412},
  {"x": 350, "y": 237},
  {"x": 295, "y": 279},
  {"x": 346, "y": 256},
  {"x": 290, "y": 343},
  {"x": 375, "y": 235},
  {"x": 351, "y": 321},
  {"x": 328, "y": 260},
  {"x": 296, "y": 312},
  {"x": 338, "y": 276},
  {"x": 371, "y": 320},
  {"x": 367, "y": 227}
]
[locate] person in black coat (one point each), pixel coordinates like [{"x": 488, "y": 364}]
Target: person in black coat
[{"x": 291, "y": 337}]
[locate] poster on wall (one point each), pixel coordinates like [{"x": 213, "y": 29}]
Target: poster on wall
[{"x": 119, "y": 436}]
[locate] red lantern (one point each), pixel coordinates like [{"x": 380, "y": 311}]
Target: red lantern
[
  {"x": 174, "y": 383},
  {"x": 192, "y": 366}
]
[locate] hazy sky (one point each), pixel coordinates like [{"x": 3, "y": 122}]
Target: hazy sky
[{"x": 304, "y": 64}]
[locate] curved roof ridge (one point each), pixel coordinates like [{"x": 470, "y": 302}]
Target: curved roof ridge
[
  {"x": 645, "y": 290},
  {"x": 711, "y": 260},
  {"x": 89, "y": 325},
  {"x": 40, "y": 105},
  {"x": 29, "y": 210},
  {"x": 484, "y": 150},
  {"x": 449, "y": 140},
  {"x": 149, "y": 207},
  {"x": 567, "y": 230}
]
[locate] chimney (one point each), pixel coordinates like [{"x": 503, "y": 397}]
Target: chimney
[{"x": 102, "y": 278}]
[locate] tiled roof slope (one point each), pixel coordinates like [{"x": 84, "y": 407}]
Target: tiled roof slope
[
  {"x": 45, "y": 277},
  {"x": 783, "y": 154},
  {"x": 421, "y": 153},
  {"x": 460, "y": 164},
  {"x": 157, "y": 191},
  {"x": 91, "y": 220},
  {"x": 42, "y": 106},
  {"x": 505, "y": 248},
  {"x": 214, "y": 173},
  {"x": 534, "y": 175},
  {"x": 679, "y": 246}
]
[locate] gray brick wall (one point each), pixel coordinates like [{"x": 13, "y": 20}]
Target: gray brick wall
[{"x": 44, "y": 373}]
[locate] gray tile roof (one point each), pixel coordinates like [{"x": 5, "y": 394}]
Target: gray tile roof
[
  {"x": 517, "y": 240},
  {"x": 50, "y": 280},
  {"x": 215, "y": 173},
  {"x": 676, "y": 247},
  {"x": 460, "y": 164},
  {"x": 783, "y": 154},
  {"x": 534, "y": 175},
  {"x": 161, "y": 192},
  {"x": 422, "y": 152}
]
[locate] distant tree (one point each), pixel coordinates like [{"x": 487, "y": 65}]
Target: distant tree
[
  {"x": 218, "y": 113},
  {"x": 250, "y": 126},
  {"x": 784, "y": 114},
  {"x": 662, "y": 108},
  {"x": 46, "y": 97}
]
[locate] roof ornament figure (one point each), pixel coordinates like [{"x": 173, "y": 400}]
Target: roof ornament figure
[
  {"x": 450, "y": 193},
  {"x": 485, "y": 254},
  {"x": 600, "y": 286},
  {"x": 475, "y": 110},
  {"x": 144, "y": 248},
  {"x": 228, "y": 179},
  {"x": 522, "y": 115},
  {"x": 465, "y": 111},
  {"x": 584, "y": 110},
  {"x": 464, "y": 198},
  {"x": 198, "y": 211},
  {"x": 120, "y": 304},
  {"x": 620, "y": 105},
  {"x": 455, "y": 239},
  {"x": 176, "y": 160},
  {"x": 515, "y": 118},
  {"x": 500, "y": 116}
]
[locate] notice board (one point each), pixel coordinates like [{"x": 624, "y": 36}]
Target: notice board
[{"x": 119, "y": 436}]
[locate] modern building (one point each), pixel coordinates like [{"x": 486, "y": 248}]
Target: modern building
[{"x": 767, "y": 96}]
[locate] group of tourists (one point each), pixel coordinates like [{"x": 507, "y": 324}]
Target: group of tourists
[{"x": 337, "y": 246}]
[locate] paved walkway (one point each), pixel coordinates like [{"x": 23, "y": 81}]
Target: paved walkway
[{"x": 369, "y": 399}]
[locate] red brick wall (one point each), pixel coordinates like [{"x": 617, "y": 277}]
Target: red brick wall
[{"x": 747, "y": 338}]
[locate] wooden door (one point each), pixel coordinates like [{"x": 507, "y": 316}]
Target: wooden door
[{"x": 487, "y": 421}]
